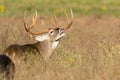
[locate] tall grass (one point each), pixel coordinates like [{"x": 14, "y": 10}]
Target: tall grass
[{"x": 89, "y": 51}]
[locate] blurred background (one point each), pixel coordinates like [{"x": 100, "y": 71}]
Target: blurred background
[
  {"x": 89, "y": 51},
  {"x": 45, "y": 7}
]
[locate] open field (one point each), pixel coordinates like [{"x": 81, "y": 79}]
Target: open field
[{"x": 89, "y": 51}]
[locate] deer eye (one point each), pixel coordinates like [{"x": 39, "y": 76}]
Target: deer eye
[{"x": 52, "y": 32}]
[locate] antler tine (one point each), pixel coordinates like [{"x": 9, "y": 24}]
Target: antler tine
[
  {"x": 68, "y": 23},
  {"x": 33, "y": 22},
  {"x": 24, "y": 22},
  {"x": 65, "y": 15},
  {"x": 55, "y": 18},
  {"x": 34, "y": 19},
  {"x": 32, "y": 25}
]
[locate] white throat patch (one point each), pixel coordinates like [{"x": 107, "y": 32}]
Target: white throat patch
[
  {"x": 55, "y": 44},
  {"x": 42, "y": 37}
]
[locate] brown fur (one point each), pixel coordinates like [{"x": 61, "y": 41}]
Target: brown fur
[
  {"x": 16, "y": 50},
  {"x": 42, "y": 47}
]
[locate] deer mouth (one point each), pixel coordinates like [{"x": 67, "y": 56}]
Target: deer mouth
[{"x": 60, "y": 36}]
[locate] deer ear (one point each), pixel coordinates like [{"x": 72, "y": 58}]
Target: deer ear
[{"x": 42, "y": 37}]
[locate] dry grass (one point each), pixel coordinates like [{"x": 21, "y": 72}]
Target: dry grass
[{"x": 89, "y": 51}]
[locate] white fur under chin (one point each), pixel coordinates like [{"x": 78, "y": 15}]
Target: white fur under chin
[{"x": 55, "y": 44}]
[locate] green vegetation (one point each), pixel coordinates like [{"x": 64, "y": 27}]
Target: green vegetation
[{"x": 45, "y": 7}]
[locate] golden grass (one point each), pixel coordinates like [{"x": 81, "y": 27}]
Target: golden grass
[{"x": 89, "y": 51}]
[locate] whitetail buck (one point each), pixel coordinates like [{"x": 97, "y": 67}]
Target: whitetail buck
[
  {"x": 47, "y": 40},
  {"x": 7, "y": 68}
]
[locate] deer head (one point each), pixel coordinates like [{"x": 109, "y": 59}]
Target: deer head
[{"x": 51, "y": 34}]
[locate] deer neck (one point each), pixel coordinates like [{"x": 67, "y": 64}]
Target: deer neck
[
  {"x": 46, "y": 47},
  {"x": 55, "y": 44}
]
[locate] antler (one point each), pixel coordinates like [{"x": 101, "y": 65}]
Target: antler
[
  {"x": 55, "y": 18},
  {"x": 68, "y": 23},
  {"x": 34, "y": 19}
]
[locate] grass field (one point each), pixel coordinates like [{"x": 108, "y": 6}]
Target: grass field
[{"x": 89, "y": 51}]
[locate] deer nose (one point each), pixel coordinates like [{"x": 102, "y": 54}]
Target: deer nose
[{"x": 61, "y": 30}]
